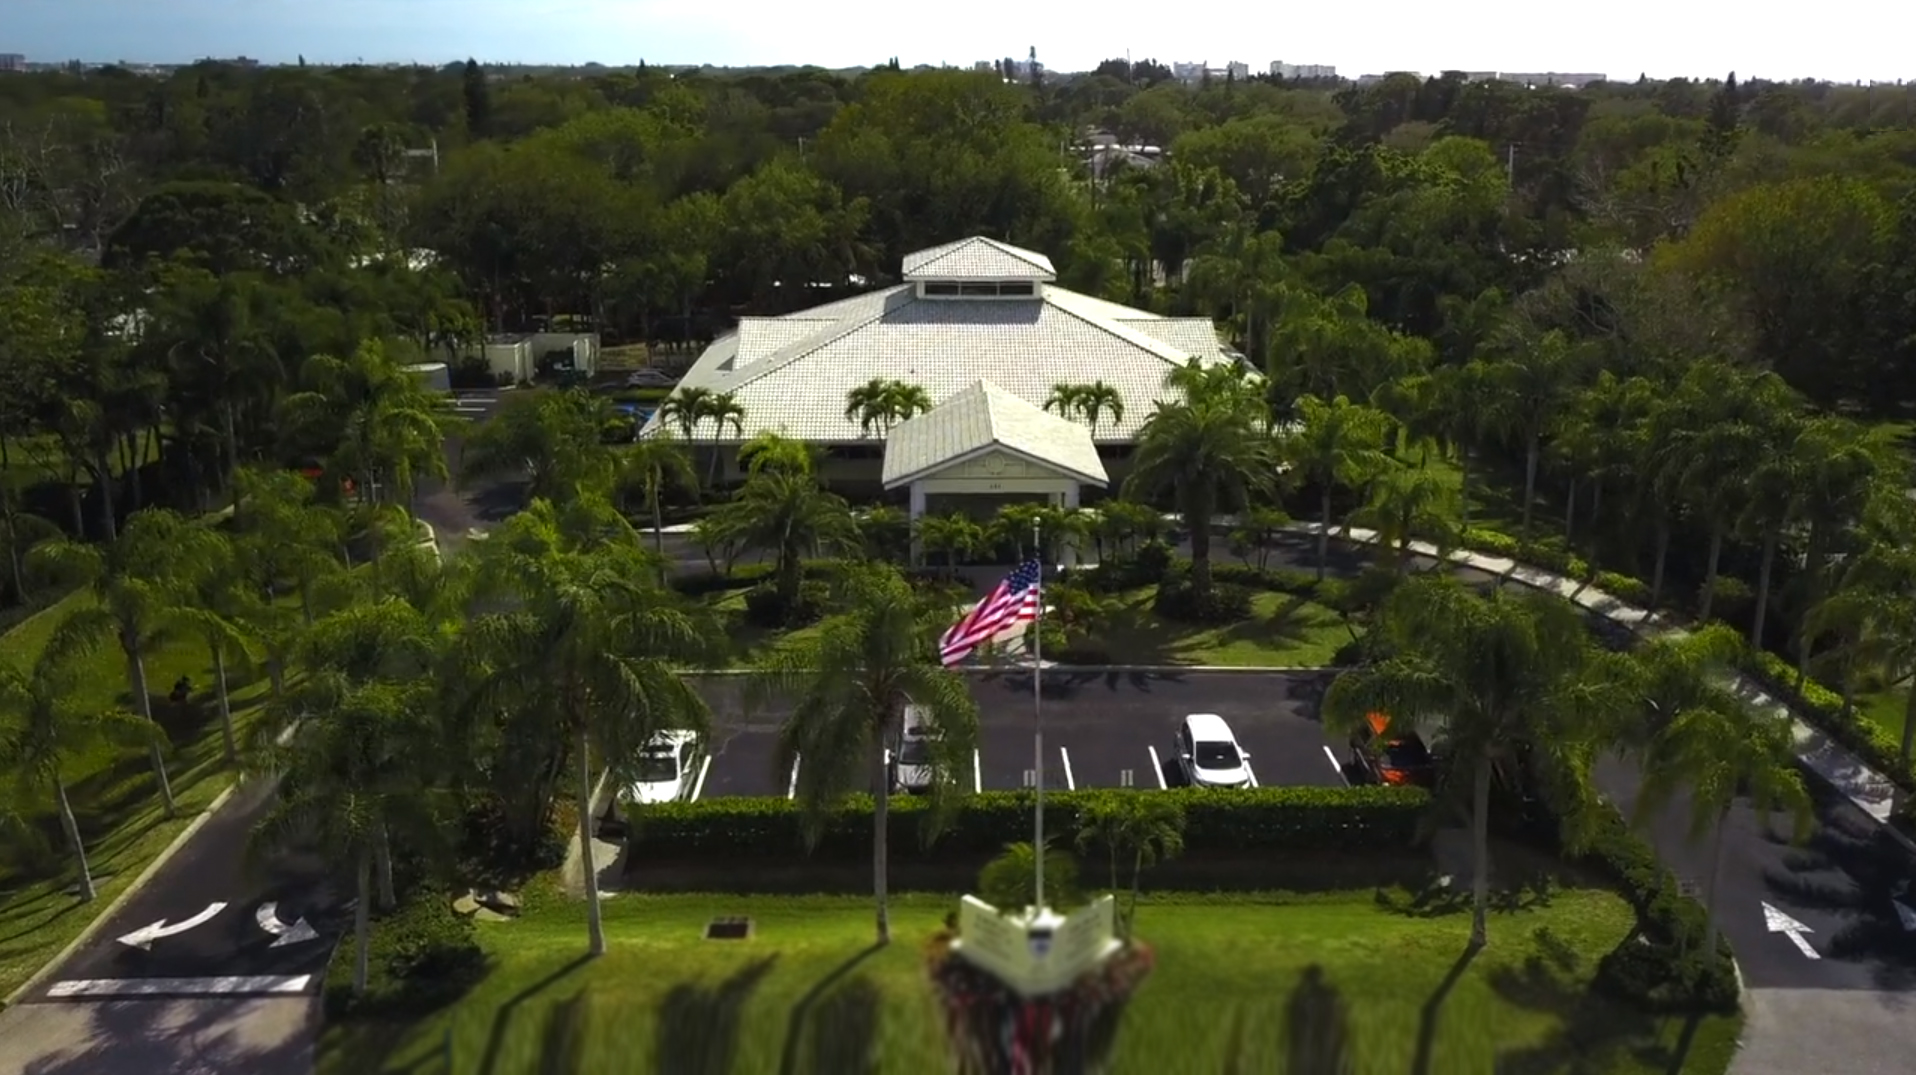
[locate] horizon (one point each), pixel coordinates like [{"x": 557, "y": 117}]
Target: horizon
[{"x": 1496, "y": 35}]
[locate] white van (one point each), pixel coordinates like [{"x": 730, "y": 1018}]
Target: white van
[{"x": 911, "y": 762}]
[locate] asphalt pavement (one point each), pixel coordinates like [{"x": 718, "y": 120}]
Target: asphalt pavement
[{"x": 1102, "y": 730}]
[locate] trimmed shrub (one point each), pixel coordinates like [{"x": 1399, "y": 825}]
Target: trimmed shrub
[
  {"x": 1823, "y": 707},
  {"x": 1216, "y": 819},
  {"x": 1178, "y": 599},
  {"x": 1661, "y": 966},
  {"x": 705, "y": 582},
  {"x": 1734, "y": 600},
  {"x": 1624, "y": 588},
  {"x": 764, "y": 607},
  {"x": 1273, "y": 579},
  {"x": 420, "y": 957}
]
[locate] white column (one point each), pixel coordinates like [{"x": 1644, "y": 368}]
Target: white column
[
  {"x": 917, "y": 512},
  {"x": 1070, "y": 503}
]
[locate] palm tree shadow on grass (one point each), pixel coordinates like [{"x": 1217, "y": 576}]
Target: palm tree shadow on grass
[
  {"x": 801, "y": 1016},
  {"x": 1433, "y": 1009},
  {"x": 699, "y": 1025},
  {"x": 843, "y": 1031},
  {"x": 1593, "y": 1033},
  {"x": 489, "y": 1063}
]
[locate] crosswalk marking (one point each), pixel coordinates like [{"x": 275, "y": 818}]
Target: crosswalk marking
[{"x": 159, "y": 987}]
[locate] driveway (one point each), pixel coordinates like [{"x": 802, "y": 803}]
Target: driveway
[{"x": 211, "y": 967}]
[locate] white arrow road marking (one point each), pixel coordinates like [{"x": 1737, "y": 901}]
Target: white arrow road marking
[
  {"x": 1778, "y": 922},
  {"x": 297, "y": 933},
  {"x": 1905, "y": 915},
  {"x": 144, "y": 937}
]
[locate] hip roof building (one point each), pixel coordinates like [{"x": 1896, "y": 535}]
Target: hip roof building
[{"x": 985, "y": 331}]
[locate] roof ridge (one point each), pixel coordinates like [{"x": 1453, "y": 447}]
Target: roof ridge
[
  {"x": 1121, "y": 331},
  {"x": 811, "y": 344}
]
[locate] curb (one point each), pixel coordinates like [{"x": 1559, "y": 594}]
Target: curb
[{"x": 99, "y": 920}]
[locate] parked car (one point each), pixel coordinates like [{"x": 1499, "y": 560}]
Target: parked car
[
  {"x": 1208, "y": 753},
  {"x": 667, "y": 767},
  {"x": 648, "y": 378},
  {"x": 911, "y": 762},
  {"x": 1382, "y": 756}
]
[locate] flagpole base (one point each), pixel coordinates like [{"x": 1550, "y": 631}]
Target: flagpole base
[{"x": 1033, "y": 993}]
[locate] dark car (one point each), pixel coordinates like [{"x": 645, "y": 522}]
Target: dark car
[{"x": 1382, "y": 756}]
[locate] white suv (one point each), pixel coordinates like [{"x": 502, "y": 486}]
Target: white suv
[{"x": 1209, "y": 755}]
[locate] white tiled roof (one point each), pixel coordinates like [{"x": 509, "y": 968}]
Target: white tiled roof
[
  {"x": 791, "y": 374},
  {"x": 978, "y": 258},
  {"x": 979, "y": 417}
]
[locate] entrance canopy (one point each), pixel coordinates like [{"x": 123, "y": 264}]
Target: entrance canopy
[{"x": 986, "y": 440}]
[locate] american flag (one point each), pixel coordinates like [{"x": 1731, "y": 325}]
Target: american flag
[{"x": 1015, "y": 601}]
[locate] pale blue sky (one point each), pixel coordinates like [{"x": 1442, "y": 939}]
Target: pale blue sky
[{"x": 1847, "y": 40}]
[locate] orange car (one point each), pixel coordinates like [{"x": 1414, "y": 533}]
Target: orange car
[{"x": 1382, "y": 757}]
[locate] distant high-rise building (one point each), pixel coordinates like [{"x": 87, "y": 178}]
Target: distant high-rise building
[
  {"x": 12, "y": 61},
  {"x": 1280, "y": 69}
]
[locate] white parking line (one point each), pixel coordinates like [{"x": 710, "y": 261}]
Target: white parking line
[
  {"x": 1157, "y": 767},
  {"x": 137, "y": 987},
  {"x": 1250, "y": 774},
  {"x": 1070, "y": 784},
  {"x": 977, "y": 774},
  {"x": 698, "y": 786},
  {"x": 791, "y": 788},
  {"x": 1336, "y": 766}
]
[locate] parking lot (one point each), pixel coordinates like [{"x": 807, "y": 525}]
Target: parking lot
[{"x": 1101, "y": 731}]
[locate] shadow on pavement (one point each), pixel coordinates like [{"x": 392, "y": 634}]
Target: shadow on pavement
[
  {"x": 136, "y": 1037},
  {"x": 1851, "y": 867}
]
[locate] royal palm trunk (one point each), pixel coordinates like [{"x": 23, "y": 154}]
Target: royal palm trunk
[
  {"x": 1480, "y": 854},
  {"x": 136, "y": 676},
  {"x": 595, "y": 918},
  {"x": 1709, "y": 574},
  {"x": 1324, "y": 531},
  {"x": 1716, "y": 877},
  {"x": 1532, "y": 451},
  {"x": 1662, "y": 558},
  {"x": 1763, "y": 589},
  {"x": 881, "y": 818},
  {"x": 362, "y": 923},
  {"x": 383, "y": 864},
  {"x": 72, "y": 827},
  {"x": 225, "y": 703}
]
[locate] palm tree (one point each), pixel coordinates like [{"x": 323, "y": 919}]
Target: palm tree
[
  {"x": 374, "y": 420},
  {"x": 216, "y": 606},
  {"x": 50, "y": 729},
  {"x": 20, "y": 531},
  {"x": 1207, "y": 454},
  {"x": 1875, "y": 606},
  {"x": 685, "y": 407},
  {"x": 1526, "y": 392},
  {"x": 1724, "y": 414},
  {"x": 592, "y": 649},
  {"x": 722, "y": 410},
  {"x": 135, "y": 578},
  {"x": 791, "y": 515},
  {"x": 1711, "y": 744},
  {"x": 554, "y": 439},
  {"x": 1515, "y": 683},
  {"x": 884, "y": 403},
  {"x": 653, "y": 463},
  {"x": 1340, "y": 444},
  {"x": 1406, "y": 502},
  {"x": 360, "y": 770},
  {"x": 1149, "y": 829},
  {"x": 952, "y": 534},
  {"x": 1774, "y": 491},
  {"x": 849, "y": 684},
  {"x": 1064, "y": 399},
  {"x": 287, "y": 536}
]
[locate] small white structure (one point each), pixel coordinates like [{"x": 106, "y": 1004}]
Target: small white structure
[
  {"x": 1036, "y": 951},
  {"x": 517, "y": 355},
  {"x": 434, "y": 375}
]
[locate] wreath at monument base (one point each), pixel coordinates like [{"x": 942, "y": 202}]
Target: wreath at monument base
[{"x": 996, "y": 1031}]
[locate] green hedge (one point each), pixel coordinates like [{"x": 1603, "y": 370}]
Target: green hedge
[
  {"x": 1824, "y": 708},
  {"x": 419, "y": 958},
  {"x": 1227, "y": 820},
  {"x": 1661, "y": 966}
]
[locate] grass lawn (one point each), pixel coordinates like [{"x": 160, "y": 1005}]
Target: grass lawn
[
  {"x": 748, "y": 641},
  {"x": 1885, "y": 708},
  {"x": 1283, "y": 630},
  {"x": 808, "y": 994},
  {"x": 115, "y": 797}
]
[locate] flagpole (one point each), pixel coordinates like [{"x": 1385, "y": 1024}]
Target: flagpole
[{"x": 1037, "y": 711}]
